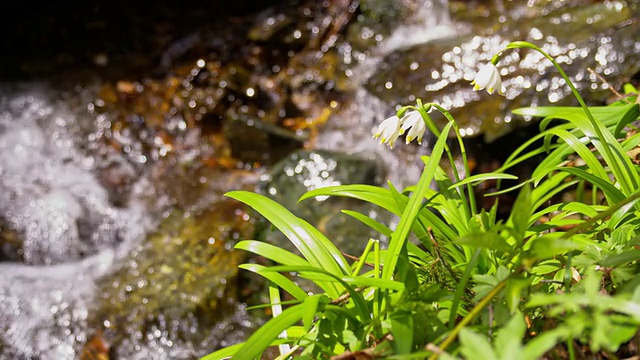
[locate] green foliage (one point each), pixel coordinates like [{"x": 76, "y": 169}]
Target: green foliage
[{"x": 456, "y": 281}]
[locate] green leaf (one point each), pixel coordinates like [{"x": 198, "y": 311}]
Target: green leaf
[
  {"x": 611, "y": 192},
  {"x": 223, "y": 353},
  {"x": 278, "y": 279},
  {"x": 362, "y": 281},
  {"x": 476, "y": 179},
  {"x": 311, "y": 305},
  {"x": 630, "y": 115},
  {"x": 264, "y": 337},
  {"x": 548, "y": 246},
  {"x": 311, "y": 243},
  {"x": 489, "y": 240},
  {"x": 474, "y": 345},
  {"x": 615, "y": 260},
  {"x": 513, "y": 291},
  {"x": 360, "y": 304},
  {"x": 402, "y": 330},
  {"x": 509, "y": 338},
  {"x": 521, "y": 213},
  {"x": 544, "y": 342},
  {"x": 271, "y": 252},
  {"x": 384, "y": 199},
  {"x": 401, "y": 233},
  {"x": 375, "y": 225}
]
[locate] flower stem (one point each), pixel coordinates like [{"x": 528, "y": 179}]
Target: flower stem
[
  {"x": 594, "y": 123},
  {"x": 471, "y": 315}
]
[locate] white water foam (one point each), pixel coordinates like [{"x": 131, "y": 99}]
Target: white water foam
[{"x": 71, "y": 233}]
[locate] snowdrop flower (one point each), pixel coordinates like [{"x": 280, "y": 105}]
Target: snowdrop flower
[
  {"x": 413, "y": 122},
  {"x": 488, "y": 77},
  {"x": 389, "y": 131}
]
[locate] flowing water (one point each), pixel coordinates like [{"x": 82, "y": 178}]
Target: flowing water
[{"x": 91, "y": 261}]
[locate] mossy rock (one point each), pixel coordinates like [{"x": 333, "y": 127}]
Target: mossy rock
[{"x": 177, "y": 285}]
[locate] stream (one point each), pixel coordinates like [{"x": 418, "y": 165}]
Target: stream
[{"x": 116, "y": 239}]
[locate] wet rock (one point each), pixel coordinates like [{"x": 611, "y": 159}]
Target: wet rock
[
  {"x": 10, "y": 243},
  {"x": 307, "y": 170},
  {"x": 171, "y": 292}
]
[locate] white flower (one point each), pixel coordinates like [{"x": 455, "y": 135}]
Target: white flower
[
  {"x": 389, "y": 131},
  {"x": 488, "y": 77},
  {"x": 413, "y": 122}
]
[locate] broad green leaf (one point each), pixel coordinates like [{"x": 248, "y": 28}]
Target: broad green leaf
[
  {"x": 474, "y": 345},
  {"x": 384, "y": 199},
  {"x": 576, "y": 145},
  {"x": 402, "y": 331},
  {"x": 541, "y": 344},
  {"x": 513, "y": 291},
  {"x": 224, "y": 353},
  {"x": 489, "y": 240},
  {"x": 278, "y": 279},
  {"x": 630, "y": 115},
  {"x": 548, "y": 246},
  {"x": 622, "y": 213},
  {"x": 611, "y": 192},
  {"x": 509, "y": 338},
  {"x": 615, "y": 260}
]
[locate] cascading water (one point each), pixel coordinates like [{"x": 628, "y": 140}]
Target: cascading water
[{"x": 71, "y": 232}]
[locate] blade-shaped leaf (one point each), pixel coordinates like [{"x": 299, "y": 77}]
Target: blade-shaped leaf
[
  {"x": 401, "y": 233},
  {"x": 278, "y": 279},
  {"x": 271, "y": 252},
  {"x": 265, "y": 336},
  {"x": 311, "y": 243}
]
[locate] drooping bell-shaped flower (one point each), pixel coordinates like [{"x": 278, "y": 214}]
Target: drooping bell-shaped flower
[
  {"x": 416, "y": 127},
  {"x": 488, "y": 77},
  {"x": 389, "y": 131}
]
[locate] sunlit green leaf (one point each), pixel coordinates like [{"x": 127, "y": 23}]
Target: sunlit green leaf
[
  {"x": 278, "y": 279},
  {"x": 509, "y": 338},
  {"x": 311, "y": 305},
  {"x": 264, "y": 337},
  {"x": 474, "y": 345},
  {"x": 489, "y": 240},
  {"x": 311, "y": 243},
  {"x": 402, "y": 331}
]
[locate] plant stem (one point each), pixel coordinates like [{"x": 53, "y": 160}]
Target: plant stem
[
  {"x": 524, "y": 44},
  {"x": 472, "y": 314}
]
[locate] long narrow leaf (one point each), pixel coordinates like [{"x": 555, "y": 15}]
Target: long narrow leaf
[
  {"x": 311, "y": 243},
  {"x": 278, "y": 279},
  {"x": 268, "y": 333},
  {"x": 375, "y": 225},
  {"x": 360, "y": 304},
  {"x": 400, "y": 235},
  {"x": 271, "y": 252}
]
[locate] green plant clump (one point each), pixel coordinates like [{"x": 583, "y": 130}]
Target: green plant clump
[{"x": 555, "y": 279}]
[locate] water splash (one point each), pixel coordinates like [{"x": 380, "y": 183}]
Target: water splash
[{"x": 71, "y": 233}]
